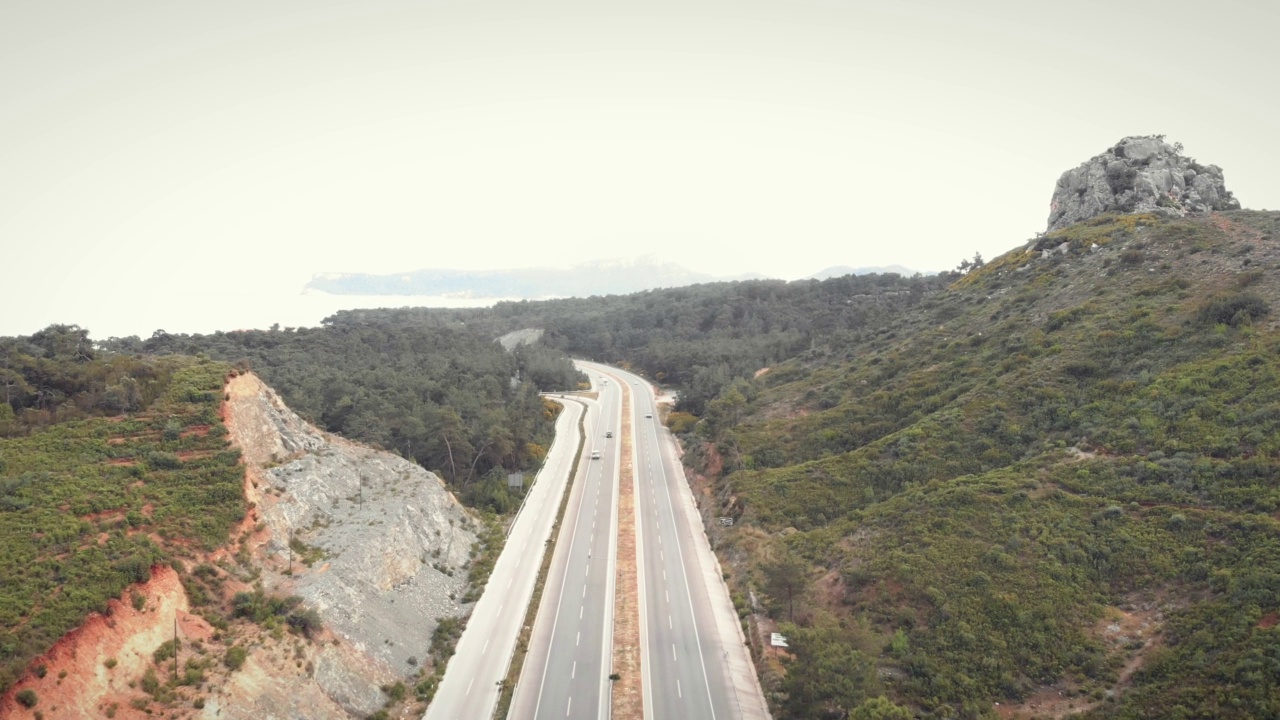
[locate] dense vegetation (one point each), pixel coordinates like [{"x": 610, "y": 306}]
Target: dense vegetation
[
  {"x": 1049, "y": 482},
  {"x": 89, "y": 503},
  {"x": 980, "y": 501},
  {"x": 113, "y": 457},
  {"x": 700, "y": 337},
  {"x": 434, "y": 389}
]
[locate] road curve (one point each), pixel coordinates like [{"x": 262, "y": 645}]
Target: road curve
[
  {"x": 566, "y": 669},
  {"x": 472, "y": 681}
]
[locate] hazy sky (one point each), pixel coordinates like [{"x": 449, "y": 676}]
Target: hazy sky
[{"x": 181, "y": 154}]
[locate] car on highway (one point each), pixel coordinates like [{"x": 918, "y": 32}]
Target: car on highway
[
  {"x": 648, "y": 415},
  {"x": 608, "y": 433},
  {"x": 595, "y": 454}
]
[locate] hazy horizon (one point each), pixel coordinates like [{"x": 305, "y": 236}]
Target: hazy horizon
[{"x": 177, "y": 158}]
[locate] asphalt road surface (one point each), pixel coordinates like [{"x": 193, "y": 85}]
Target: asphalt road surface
[
  {"x": 693, "y": 657},
  {"x": 469, "y": 690},
  {"x": 566, "y": 671}
]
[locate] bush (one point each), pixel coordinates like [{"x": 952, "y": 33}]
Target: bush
[
  {"x": 1235, "y": 309},
  {"x": 160, "y": 460},
  {"x": 395, "y": 692},
  {"x": 167, "y": 649},
  {"x": 27, "y": 698},
  {"x": 235, "y": 657},
  {"x": 150, "y": 681},
  {"x": 306, "y": 621}
]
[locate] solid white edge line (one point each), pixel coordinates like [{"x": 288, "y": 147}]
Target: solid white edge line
[
  {"x": 569, "y": 554},
  {"x": 693, "y": 618}
]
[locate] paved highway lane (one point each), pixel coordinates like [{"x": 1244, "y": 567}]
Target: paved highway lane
[
  {"x": 566, "y": 670},
  {"x": 683, "y": 657},
  {"x": 694, "y": 661},
  {"x": 469, "y": 690}
]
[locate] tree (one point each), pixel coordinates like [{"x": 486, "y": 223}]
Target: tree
[
  {"x": 828, "y": 677},
  {"x": 64, "y": 342},
  {"x": 786, "y": 575},
  {"x": 880, "y": 708}
]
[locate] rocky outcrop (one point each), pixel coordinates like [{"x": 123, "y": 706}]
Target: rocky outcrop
[
  {"x": 389, "y": 551},
  {"x": 516, "y": 338},
  {"x": 1140, "y": 174}
]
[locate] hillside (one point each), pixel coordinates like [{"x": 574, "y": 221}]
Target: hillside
[
  {"x": 1050, "y": 489},
  {"x": 144, "y": 499},
  {"x": 432, "y": 389},
  {"x": 699, "y": 338},
  {"x": 89, "y": 505}
]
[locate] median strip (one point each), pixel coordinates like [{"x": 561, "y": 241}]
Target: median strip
[{"x": 627, "y": 693}]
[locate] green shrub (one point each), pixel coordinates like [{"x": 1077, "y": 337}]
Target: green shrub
[
  {"x": 235, "y": 657},
  {"x": 27, "y": 697},
  {"x": 1234, "y": 309}
]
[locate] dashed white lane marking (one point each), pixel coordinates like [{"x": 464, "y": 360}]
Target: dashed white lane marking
[
  {"x": 570, "y": 708},
  {"x": 673, "y": 653},
  {"x": 580, "y": 612},
  {"x": 679, "y": 693},
  {"x": 578, "y": 640},
  {"x": 668, "y": 622},
  {"x": 485, "y": 649},
  {"x": 473, "y": 682},
  {"x": 574, "y": 672}
]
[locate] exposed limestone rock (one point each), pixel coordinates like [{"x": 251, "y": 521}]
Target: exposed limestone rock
[
  {"x": 516, "y": 338},
  {"x": 390, "y": 550},
  {"x": 1140, "y": 174}
]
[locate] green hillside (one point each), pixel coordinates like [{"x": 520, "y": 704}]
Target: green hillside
[
  {"x": 423, "y": 386},
  {"x": 979, "y": 502},
  {"x": 1045, "y": 487},
  {"x": 110, "y": 465}
]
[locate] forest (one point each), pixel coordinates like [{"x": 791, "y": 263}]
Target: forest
[
  {"x": 1043, "y": 485},
  {"x": 433, "y": 389},
  {"x": 114, "y": 457},
  {"x": 698, "y": 338},
  {"x": 1049, "y": 489}
]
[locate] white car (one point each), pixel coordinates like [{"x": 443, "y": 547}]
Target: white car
[{"x": 595, "y": 454}]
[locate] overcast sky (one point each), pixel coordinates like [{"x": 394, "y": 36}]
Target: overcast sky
[{"x": 175, "y": 154}]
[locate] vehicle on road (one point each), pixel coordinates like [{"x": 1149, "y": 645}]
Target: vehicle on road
[
  {"x": 648, "y": 415},
  {"x": 595, "y": 454},
  {"x": 608, "y": 433}
]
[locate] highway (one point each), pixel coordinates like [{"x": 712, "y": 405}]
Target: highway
[
  {"x": 471, "y": 684},
  {"x": 693, "y": 658},
  {"x": 566, "y": 671}
]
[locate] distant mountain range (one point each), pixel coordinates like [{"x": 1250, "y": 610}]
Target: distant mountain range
[{"x": 598, "y": 277}]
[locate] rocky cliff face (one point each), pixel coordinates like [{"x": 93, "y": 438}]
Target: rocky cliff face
[
  {"x": 1140, "y": 174},
  {"x": 389, "y": 550}
]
